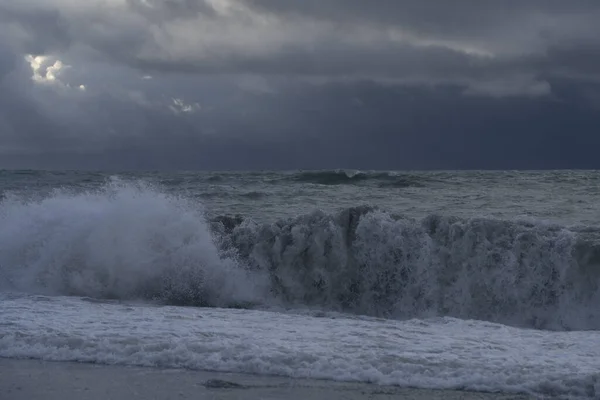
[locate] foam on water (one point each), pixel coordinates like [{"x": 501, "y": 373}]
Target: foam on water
[{"x": 432, "y": 353}]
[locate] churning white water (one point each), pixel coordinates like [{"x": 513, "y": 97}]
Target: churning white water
[
  {"x": 123, "y": 241},
  {"x": 99, "y": 273}
]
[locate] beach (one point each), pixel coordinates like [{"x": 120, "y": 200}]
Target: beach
[{"x": 35, "y": 379}]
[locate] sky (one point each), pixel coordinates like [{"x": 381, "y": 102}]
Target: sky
[{"x": 299, "y": 84}]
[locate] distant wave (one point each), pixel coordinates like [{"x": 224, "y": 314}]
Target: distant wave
[
  {"x": 128, "y": 240},
  {"x": 251, "y": 195},
  {"x": 342, "y": 177},
  {"x": 215, "y": 178},
  {"x": 254, "y": 195}
]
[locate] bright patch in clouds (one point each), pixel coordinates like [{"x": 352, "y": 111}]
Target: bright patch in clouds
[
  {"x": 44, "y": 68},
  {"x": 48, "y": 70}
]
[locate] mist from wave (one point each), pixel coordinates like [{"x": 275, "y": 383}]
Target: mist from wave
[
  {"x": 123, "y": 241},
  {"x": 129, "y": 240}
]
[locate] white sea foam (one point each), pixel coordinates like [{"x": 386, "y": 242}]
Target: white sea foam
[{"x": 433, "y": 353}]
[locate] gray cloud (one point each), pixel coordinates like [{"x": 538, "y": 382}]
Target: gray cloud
[
  {"x": 269, "y": 83},
  {"x": 385, "y": 39}
]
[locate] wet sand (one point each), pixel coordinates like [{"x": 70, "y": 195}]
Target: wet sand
[{"x": 34, "y": 379}]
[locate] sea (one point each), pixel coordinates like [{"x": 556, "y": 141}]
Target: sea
[{"x": 468, "y": 280}]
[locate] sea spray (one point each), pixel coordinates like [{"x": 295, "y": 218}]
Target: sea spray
[{"x": 125, "y": 240}]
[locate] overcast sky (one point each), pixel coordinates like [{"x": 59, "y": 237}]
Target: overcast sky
[{"x": 286, "y": 84}]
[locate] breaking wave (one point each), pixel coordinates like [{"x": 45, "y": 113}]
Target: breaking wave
[
  {"x": 124, "y": 241},
  {"x": 130, "y": 241},
  {"x": 367, "y": 261}
]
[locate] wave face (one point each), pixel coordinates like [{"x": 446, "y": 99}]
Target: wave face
[
  {"x": 367, "y": 261},
  {"x": 130, "y": 241},
  {"x": 341, "y": 177}
]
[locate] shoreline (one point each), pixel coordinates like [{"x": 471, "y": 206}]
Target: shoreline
[{"x": 28, "y": 379}]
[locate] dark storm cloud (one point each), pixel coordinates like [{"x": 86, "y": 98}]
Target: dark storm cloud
[
  {"x": 306, "y": 83},
  {"x": 383, "y": 39},
  {"x": 465, "y": 41}
]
